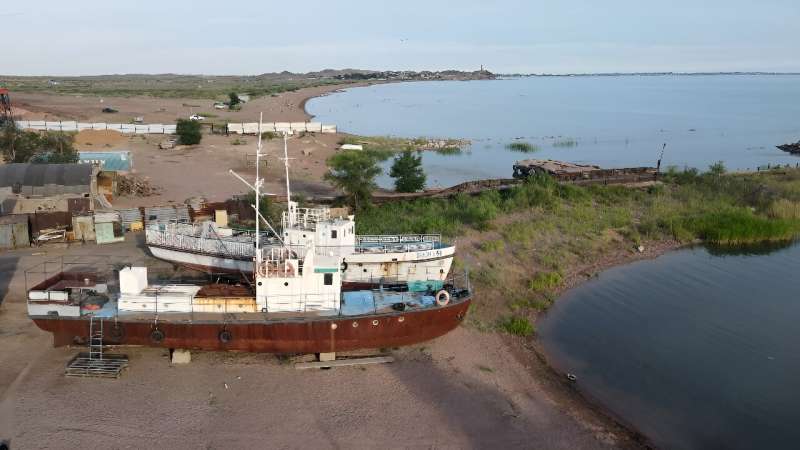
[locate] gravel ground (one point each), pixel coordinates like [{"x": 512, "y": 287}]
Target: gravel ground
[{"x": 464, "y": 390}]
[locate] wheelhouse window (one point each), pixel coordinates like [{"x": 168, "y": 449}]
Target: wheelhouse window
[
  {"x": 328, "y": 279},
  {"x": 333, "y": 234}
]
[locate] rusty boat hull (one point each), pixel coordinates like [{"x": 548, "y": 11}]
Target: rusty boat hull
[{"x": 281, "y": 336}]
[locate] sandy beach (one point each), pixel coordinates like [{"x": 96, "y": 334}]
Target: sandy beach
[{"x": 469, "y": 389}]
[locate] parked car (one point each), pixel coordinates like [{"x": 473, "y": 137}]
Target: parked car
[
  {"x": 196, "y": 117},
  {"x": 220, "y": 105},
  {"x": 109, "y": 109},
  {"x": 167, "y": 144}
]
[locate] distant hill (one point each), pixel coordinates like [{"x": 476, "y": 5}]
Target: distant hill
[{"x": 216, "y": 86}]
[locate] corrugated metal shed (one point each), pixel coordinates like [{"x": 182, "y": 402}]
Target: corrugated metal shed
[
  {"x": 14, "y": 231},
  {"x": 129, "y": 216},
  {"x": 116, "y": 161},
  {"x": 46, "y": 179},
  {"x": 166, "y": 214},
  {"x": 106, "y": 217}
]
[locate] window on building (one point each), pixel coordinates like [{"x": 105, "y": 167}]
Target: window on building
[{"x": 328, "y": 279}]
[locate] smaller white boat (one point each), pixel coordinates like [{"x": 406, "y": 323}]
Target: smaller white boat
[{"x": 366, "y": 260}]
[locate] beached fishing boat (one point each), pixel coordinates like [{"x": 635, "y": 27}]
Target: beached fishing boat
[
  {"x": 367, "y": 260},
  {"x": 295, "y": 303}
]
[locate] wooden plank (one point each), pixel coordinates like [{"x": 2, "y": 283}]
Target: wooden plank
[{"x": 344, "y": 362}]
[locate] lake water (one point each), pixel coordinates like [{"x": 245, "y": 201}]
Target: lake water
[
  {"x": 696, "y": 350},
  {"x": 616, "y": 121}
]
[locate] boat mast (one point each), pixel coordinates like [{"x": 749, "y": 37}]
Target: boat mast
[
  {"x": 290, "y": 208},
  {"x": 258, "y": 194}
]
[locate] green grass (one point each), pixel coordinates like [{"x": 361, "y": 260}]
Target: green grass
[
  {"x": 386, "y": 146},
  {"x": 565, "y": 143},
  {"x": 545, "y": 231},
  {"x": 450, "y": 150},
  {"x": 523, "y": 147},
  {"x": 166, "y": 86},
  {"x": 493, "y": 246},
  {"x": 518, "y": 326},
  {"x": 545, "y": 281},
  {"x": 717, "y": 208}
]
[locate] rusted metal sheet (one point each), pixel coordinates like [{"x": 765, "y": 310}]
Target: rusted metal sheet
[
  {"x": 320, "y": 335},
  {"x": 80, "y": 205},
  {"x": 49, "y": 220},
  {"x": 239, "y": 208},
  {"x": 565, "y": 172}
]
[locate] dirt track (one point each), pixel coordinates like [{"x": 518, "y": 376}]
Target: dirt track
[{"x": 464, "y": 390}]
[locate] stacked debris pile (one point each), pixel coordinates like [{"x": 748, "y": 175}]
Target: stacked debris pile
[{"x": 135, "y": 186}]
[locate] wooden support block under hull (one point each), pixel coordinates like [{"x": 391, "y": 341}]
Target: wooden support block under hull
[{"x": 317, "y": 335}]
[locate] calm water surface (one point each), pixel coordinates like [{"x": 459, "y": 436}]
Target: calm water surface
[
  {"x": 616, "y": 121},
  {"x": 693, "y": 349}
]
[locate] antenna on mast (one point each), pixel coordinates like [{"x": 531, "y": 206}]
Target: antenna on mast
[{"x": 291, "y": 206}]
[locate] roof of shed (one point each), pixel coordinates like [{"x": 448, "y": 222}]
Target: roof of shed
[{"x": 45, "y": 174}]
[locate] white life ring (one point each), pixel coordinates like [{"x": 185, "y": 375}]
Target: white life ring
[{"x": 442, "y": 298}]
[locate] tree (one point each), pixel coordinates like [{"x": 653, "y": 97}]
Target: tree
[
  {"x": 354, "y": 172},
  {"x": 59, "y": 147},
  {"x": 19, "y": 146},
  {"x": 188, "y": 132},
  {"x": 407, "y": 172},
  {"x": 234, "y": 100}
]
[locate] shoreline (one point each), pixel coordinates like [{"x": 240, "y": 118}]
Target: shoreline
[
  {"x": 578, "y": 402},
  {"x": 590, "y": 414},
  {"x": 335, "y": 88}
]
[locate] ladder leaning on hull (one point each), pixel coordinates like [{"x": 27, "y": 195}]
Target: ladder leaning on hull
[{"x": 95, "y": 363}]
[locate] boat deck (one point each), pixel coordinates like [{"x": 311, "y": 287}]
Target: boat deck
[{"x": 354, "y": 304}]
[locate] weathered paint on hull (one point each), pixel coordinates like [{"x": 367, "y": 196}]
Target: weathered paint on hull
[{"x": 335, "y": 334}]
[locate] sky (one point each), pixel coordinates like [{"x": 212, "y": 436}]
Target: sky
[{"x": 251, "y": 37}]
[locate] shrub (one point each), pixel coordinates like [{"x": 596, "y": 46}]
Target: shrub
[
  {"x": 518, "y": 326},
  {"x": 234, "y": 100},
  {"x": 188, "y": 132}
]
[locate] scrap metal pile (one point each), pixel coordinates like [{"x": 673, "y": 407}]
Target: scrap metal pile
[{"x": 135, "y": 186}]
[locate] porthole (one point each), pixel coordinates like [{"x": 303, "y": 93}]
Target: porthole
[
  {"x": 375, "y": 323},
  {"x": 334, "y": 326},
  {"x": 285, "y": 283},
  {"x": 401, "y": 319},
  {"x": 355, "y": 324},
  {"x": 259, "y": 283}
]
